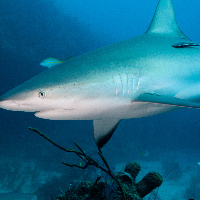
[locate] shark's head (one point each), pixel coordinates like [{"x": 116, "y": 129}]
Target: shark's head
[
  {"x": 40, "y": 93},
  {"x": 60, "y": 93}
]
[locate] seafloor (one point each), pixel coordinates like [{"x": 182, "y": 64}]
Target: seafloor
[{"x": 23, "y": 180}]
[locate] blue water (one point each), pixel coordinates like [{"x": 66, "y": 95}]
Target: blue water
[{"x": 34, "y": 30}]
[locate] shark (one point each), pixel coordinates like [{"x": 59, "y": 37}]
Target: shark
[{"x": 153, "y": 73}]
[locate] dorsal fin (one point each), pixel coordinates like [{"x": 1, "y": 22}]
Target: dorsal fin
[{"x": 164, "y": 20}]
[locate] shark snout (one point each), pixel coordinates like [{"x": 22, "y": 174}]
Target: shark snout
[
  {"x": 14, "y": 100},
  {"x": 15, "y": 105},
  {"x": 9, "y": 105},
  {"x": 10, "y": 102}
]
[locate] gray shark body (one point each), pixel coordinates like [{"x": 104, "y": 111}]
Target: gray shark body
[{"x": 154, "y": 73}]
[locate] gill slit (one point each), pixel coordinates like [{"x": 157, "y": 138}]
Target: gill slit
[
  {"x": 138, "y": 84},
  {"x": 115, "y": 86},
  {"x": 122, "y": 83},
  {"x": 127, "y": 83}
]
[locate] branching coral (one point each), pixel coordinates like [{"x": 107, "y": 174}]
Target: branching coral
[{"x": 126, "y": 189}]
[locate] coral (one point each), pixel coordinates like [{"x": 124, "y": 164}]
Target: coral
[
  {"x": 151, "y": 181},
  {"x": 133, "y": 191},
  {"x": 133, "y": 169},
  {"x": 120, "y": 186}
]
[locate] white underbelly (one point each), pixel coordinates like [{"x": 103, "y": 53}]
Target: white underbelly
[{"x": 126, "y": 111}]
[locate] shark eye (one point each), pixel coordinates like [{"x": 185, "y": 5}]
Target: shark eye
[{"x": 42, "y": 94}]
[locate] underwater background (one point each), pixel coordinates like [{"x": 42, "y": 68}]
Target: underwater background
[{"x": 31, "y": 31}]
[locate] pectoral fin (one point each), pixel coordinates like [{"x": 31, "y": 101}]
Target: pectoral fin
[
  {"x": 160, "y": 99},
  {"x": 103, "y": 130}
]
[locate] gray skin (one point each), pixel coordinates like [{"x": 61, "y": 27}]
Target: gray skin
[{"x": 138, "y": 77}]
